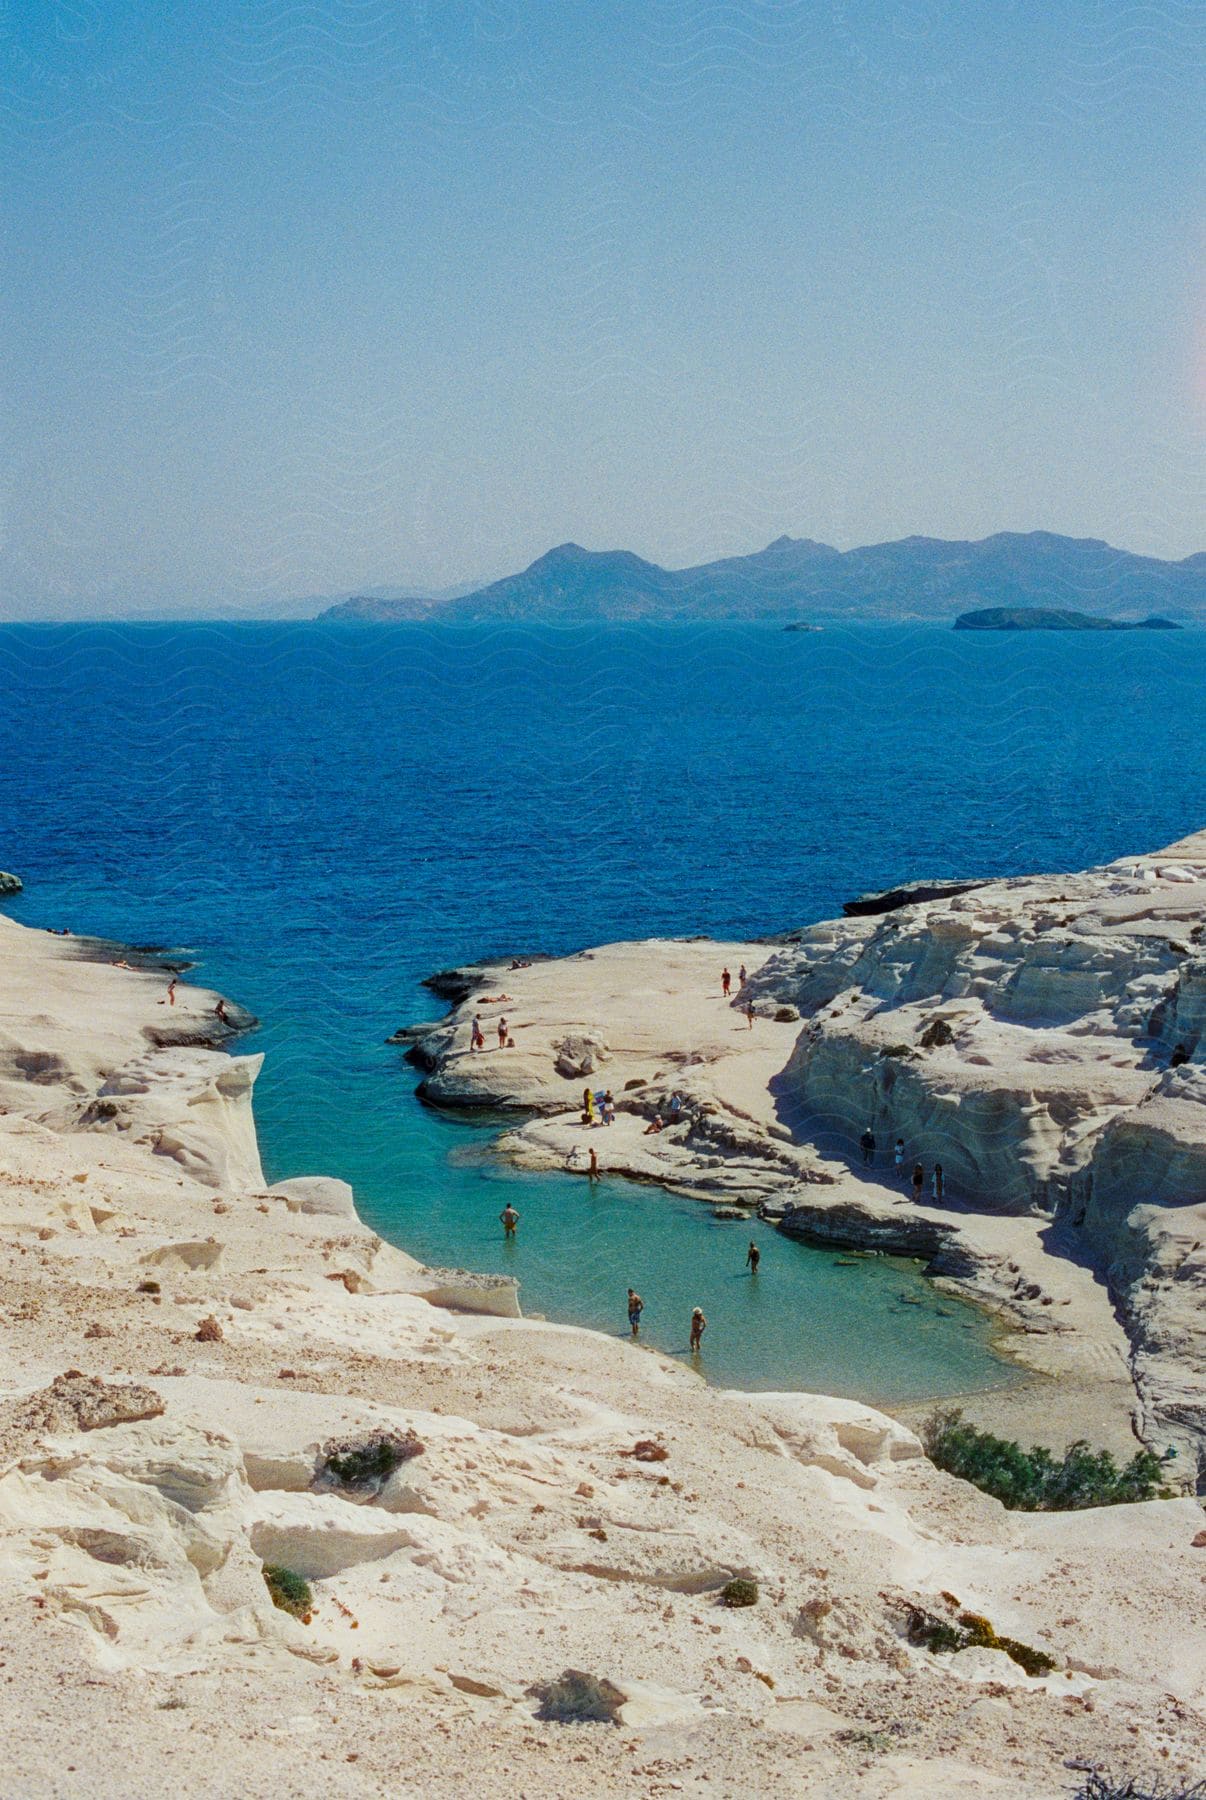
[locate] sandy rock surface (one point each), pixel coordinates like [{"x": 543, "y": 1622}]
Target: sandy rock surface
[{"x": 149, "y": 1469}]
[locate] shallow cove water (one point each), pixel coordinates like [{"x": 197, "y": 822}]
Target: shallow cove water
[{"x": 322, "y": 816}]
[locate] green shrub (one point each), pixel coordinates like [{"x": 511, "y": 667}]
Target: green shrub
[
  {"x": 290, "y": 1591},
  {"x": 973, "y": 1629},
  {"x": 370, "y": 1461},
  {"x": 576, "y": 1698},
  {"x": 1034, "y": 1480},
  {"x": 739, "y": 1593}
]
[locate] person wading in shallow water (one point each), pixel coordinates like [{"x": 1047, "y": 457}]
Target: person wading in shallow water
[
  {"x": 753, "y": 1257},
  {"x": 698, "y": 1326},
  {"x": 636, "y": 1307},
  {"x": 510, "y": 1219}
]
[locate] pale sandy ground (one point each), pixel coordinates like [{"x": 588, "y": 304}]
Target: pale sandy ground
[
  {"x": 139, "y": 1656},
  {"x": 658, "y": 1008}
]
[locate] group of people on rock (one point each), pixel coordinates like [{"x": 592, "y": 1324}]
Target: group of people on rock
[
  {"x": 477, "y": 1038},
  {"x": 726, "y": 989},
  {"x": 937, "y": 1180},
  {"x": 598, "y": 1108}
]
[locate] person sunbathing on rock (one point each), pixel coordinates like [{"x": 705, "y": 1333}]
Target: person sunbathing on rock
[{"x": 656, "y": 1124}]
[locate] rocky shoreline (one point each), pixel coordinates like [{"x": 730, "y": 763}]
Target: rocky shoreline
[
  {"x": 216, "y": 1391},
  {"x": 1042, "y": 1037}
]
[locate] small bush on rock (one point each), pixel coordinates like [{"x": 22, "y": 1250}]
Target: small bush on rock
[
  {"x": 739, "y": 1593},
  {"x": 973, "y": 1630},
  {"x": 290, "y": 1591},
  {"x": 1033, "y": 1480},
  {"x": 370, "y": 1461},
  {"x": 576, "y": 1698}
]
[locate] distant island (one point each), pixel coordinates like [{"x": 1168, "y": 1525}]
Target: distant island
[
  {"x": 1047, "y": 618},
  {"x": 798, "y": 579}
]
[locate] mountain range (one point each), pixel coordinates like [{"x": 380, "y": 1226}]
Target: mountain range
[{"x": 911, "y": 578}]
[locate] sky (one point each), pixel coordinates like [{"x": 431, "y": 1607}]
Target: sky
[{"x": 303, "y": 297}]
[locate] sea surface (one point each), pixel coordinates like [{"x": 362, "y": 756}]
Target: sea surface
[{"x": 320, "y": 817}]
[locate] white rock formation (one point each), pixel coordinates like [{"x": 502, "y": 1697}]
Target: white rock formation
[{"x": 148, "y": 1468}]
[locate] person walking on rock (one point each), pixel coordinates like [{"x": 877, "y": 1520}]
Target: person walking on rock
[
  {"x": 636, "y": 1307},
  {"x": 510, "y": 1219},
  {"x": 698, "y": 1326},
  {"x": 753, "y": 1257},
  {"x": 476, "y": 1040},
  {"x": 726, "y": 982},
  {"x": 918, "y": 1182},
  {"x": 938, "y": 1184},
  {"x": 898, "y": 1155},
  {"x": 749, "y": 1015},
  {"x": 502, "y": 1034},
  {"x": 867, "y": 1145},
  {"x": 592, "y": 1173}
]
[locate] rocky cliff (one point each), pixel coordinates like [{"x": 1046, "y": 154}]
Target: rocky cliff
[{"x": 1045, "y": 1040}]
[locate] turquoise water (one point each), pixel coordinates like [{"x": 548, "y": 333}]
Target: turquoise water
[{"x": 323, "y": 817}]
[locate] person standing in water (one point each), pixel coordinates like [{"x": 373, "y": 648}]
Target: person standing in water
[
  {"x": 510, "y": 1219},
  {"x": 698, "y": 1326},
  {"x": 726, "y": 982},
  {"x": 753, "y": 1257},
  {"x": 867, "y": 1145},
  {"x": 636, "y": 1307}
]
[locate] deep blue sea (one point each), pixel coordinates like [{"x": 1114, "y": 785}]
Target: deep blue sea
[{"x": 322, "y": 816}]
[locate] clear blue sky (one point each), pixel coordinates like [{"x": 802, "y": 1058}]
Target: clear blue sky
[{"x": 304, "y": 296}]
